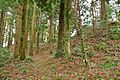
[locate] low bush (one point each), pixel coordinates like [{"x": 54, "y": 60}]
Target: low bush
[
  {"x": 114, "y": 33},
  {"x": 101, "y": 46},
  {"x": 4, "y": 56}
]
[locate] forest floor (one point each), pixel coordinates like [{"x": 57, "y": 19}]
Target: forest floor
[{"x": 103, "y": 62}]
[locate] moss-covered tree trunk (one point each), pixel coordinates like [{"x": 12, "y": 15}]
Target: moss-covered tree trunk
[
  {"x": 51, "y": 28},
  {"x": 23, "y": 40},
  {"x": 38, "y": 31},
  {"x": 32, "y": 41},
  {"x": 61, "y": 32},
  {"x": 18, "y": 30},
  {"x": 68, "y": 34}
]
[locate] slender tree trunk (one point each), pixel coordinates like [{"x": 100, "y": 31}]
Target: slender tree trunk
[
  {"x": 42, "y": 34},
  {"x": 68, "y": 34},
  {"x": 103, "y": 11},
  {"x": 61, "y": 32},
  {"x": 23, "y": 30},
  {"x": 1, "y": 27},
  {"x": 93, "y": 16},
  {"x": 51, "y": 23},
  {"x": 38, "y": 32},
  {"x": 18, "y": 29},
  {"x": 54, "y": 32},
  {"x": 10, "y": 33},
  {"x": 51, "y": 29},
  {"x": 81, "y": 33},
  {"x": 32, "y": 41}
]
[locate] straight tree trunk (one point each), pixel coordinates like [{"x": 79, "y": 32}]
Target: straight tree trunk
[
  {"x": 51, "y": 24},
  {"x": 61, "y": 32},
  {"x": 10, "y": 34},
  {"x": 1, "y": 27},
  {"x": 42, "y": 34},
  {"x": 23, "y": 30},
  {"x": 32, "y": 41},
  {"x": 18, "y": 29},
  {"x": 103, "y": 11},
  {"x": 68, "y": 34},
  {"x": 38, "y": 32},
  {"x": 81, "y": 33},
  {"x": 93, "y": 16}
]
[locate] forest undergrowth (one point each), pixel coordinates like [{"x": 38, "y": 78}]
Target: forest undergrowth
[{"x": 103, "y": 56}]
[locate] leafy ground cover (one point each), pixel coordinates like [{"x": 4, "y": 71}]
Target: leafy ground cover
[{"x": 103, "y": 55}]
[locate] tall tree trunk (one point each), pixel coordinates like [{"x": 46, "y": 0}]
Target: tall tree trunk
[
  {"x": 103, "y": 11},
  {"x": 23, "y": 40},
  {"x": 81, "y": 34},
  {"x": 68, "y": 34},
  {"x": 18, "y": 29},
  {"x": 38, "y": 32},
  {"x": 1, "y": 27},
  {"x": 42, "y": 34},
  {"x": 32, "y": 41},
  {"x": 61, "y": 31},
  {"x": 10, "y": 33},
  {"x": 93, "y": 16},
  {"x": 51, "y": 28}
]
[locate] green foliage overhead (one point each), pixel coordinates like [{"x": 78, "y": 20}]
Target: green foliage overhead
[{"x": 6, "y": 3}]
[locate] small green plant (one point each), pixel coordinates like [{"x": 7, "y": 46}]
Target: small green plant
[
  {"x": 4, "y": 56},
  {"x": 53, "y": 67},
  {"x": 101, "y": 46},
  {"x": 108, "y": 64},
  {"x": 91, "y": 54},
  {"x": 114, "y": 33},
  {"x": 58, "y": 54},
  {"x": 45, "y": 78},
  {"x": 59, "y": 77},
  {"x": 97, "y": 77},
  {"x": 28, "y": 60}
]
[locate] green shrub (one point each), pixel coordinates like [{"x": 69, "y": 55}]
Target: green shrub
[
  {"x": 58, "y": 54},
  {"x": 108, "y": 64},
  {"x": 4, "y": 56},
  {"x": 91, "y": 54},
  {"x": 114, "y": 33}
]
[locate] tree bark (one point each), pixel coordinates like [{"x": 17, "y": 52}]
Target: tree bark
[
  {"x": 18, "y": 29},
  {"x": 61, "y": 31},
  {"x": 93, "y": 16},
  {"x": 32, "y": 41},
  {"x": 1, "y": 27},
  {"x": 23, "y": 40},
  {"x": 51, "y": 28},
  {"x": 68, "y": 34},
  {"x": 103, "y": 11}
]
